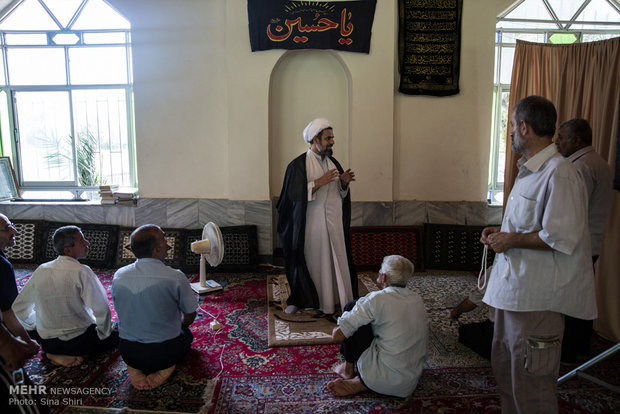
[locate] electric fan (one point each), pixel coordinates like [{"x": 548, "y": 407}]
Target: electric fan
[{"x": 211, "y": 249}]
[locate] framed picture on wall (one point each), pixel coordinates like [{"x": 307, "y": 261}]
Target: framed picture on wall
[{"x": 8, "y": 181}]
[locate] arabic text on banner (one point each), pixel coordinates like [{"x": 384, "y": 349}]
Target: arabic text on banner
[
  {"x": 429, "y": 46},
  {"x": 278, "y": 24}
]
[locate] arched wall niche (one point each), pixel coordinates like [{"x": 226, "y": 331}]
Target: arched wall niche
[{"x": 304, "y": 85}]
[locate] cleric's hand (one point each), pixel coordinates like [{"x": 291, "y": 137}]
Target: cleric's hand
[{"x": 347, "y": 176}]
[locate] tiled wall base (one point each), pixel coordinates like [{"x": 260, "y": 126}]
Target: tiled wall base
[{"x": 195, "y": 213}]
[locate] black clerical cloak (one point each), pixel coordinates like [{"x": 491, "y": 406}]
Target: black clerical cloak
[{"x": 291, "y": 227}]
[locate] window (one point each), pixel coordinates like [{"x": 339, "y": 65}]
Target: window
[
  {"x": 66, "y": 95},
  {"x": 542, "y": 21}
]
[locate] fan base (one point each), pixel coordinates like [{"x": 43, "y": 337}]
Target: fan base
[{"x": 205, "y": 289}]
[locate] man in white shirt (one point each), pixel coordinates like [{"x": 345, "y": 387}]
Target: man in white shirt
[
  {"x": 67, "y": 304},
  {"x": 574, "y": 141},
  {"x": 543, "y": 266},
  {"x": 384, "y": 336},
  {"x": 314, "y": 215}
]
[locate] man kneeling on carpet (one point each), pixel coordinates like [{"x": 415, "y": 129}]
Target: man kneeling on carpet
[
  {"x": 67, "y": 304},
  {"x": 384, "y": 336},
  {"x": 155, "y": 305}
]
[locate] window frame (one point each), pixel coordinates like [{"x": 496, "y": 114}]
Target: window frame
[
  {"x": 13, "y": 142},
  {"x": 496, "y": 183}
]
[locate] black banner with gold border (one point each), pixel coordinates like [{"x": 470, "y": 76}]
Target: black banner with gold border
[
  {"x": 429, "y": 46},
  {"x": 278, "y": 24}
]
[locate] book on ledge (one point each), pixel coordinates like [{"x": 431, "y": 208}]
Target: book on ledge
[
  {"x": 127, "y": 201},
  {"x": 125, "y": 192},
  {"x": 108, "y": 187}
]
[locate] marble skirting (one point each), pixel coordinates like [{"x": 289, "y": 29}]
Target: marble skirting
[{"x": 194, "y": 213}]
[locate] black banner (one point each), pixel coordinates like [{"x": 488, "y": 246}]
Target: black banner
[
  {"x": 429, "y": 46},
  {"x": 278, "y": 24}
]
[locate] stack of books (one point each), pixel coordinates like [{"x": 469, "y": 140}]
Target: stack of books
[
  {"x": 113, "y": 194},
  {"x": 107, "y": 193}
]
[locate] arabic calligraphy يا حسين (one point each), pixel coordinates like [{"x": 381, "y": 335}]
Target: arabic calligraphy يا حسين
[{"x": 323, "y": 24}]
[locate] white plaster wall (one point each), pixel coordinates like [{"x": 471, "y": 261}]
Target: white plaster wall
[
  {"x": 202, "y": 107},
  {"x": 306, "y": 85},
  {"x": 180, "y": 97},
  {"x": 442, "y": 144}
]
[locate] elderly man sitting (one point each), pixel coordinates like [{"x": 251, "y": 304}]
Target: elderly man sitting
[
  {"x": 384, "y": 336},
  {"x": 67, "y": 303}
]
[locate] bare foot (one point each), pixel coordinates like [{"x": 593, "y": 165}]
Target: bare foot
[
  {"x": 157, "y": 378},
  {"x": 345, "y": 370},
  {"x": 342, "y": 387},
  {"x": 137, "y": 378},
  {"x": 65, "y": 360}
]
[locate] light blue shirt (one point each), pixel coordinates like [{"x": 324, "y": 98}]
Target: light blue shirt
[
  {"x": 150, "y": 299},
  {"x": 393, "y": 362},
  {"x": 548, "y": 197}
]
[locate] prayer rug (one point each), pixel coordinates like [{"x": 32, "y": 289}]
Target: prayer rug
[
  {"x": 305, "y": 327},
  {"x": 441, "y": 291}
]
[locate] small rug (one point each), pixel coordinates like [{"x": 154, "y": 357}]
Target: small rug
[
  {"x": 441, "y": 291},
  {"x": 305, "y": 327}
]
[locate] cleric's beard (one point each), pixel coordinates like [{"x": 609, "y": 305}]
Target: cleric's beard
[{"x": 325, "y": 151}]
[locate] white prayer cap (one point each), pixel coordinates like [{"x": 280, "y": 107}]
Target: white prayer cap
[{"x": 314, "y": 127}]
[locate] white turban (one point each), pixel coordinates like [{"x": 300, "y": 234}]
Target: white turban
[{"x": 314, "y": 127}]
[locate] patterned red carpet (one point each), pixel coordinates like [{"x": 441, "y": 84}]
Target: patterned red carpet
[{"x": 250, "y": 377}]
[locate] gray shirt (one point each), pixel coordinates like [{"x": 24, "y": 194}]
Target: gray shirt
[{"x": 597, "y": 177}]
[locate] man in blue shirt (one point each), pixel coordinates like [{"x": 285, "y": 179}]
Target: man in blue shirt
[{"x": 155, "y": 306}]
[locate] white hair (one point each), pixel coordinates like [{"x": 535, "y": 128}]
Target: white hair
[{"x": 397, "y": 270}]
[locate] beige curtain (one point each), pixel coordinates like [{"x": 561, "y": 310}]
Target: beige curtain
[{"x": 583, "y": 81}]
